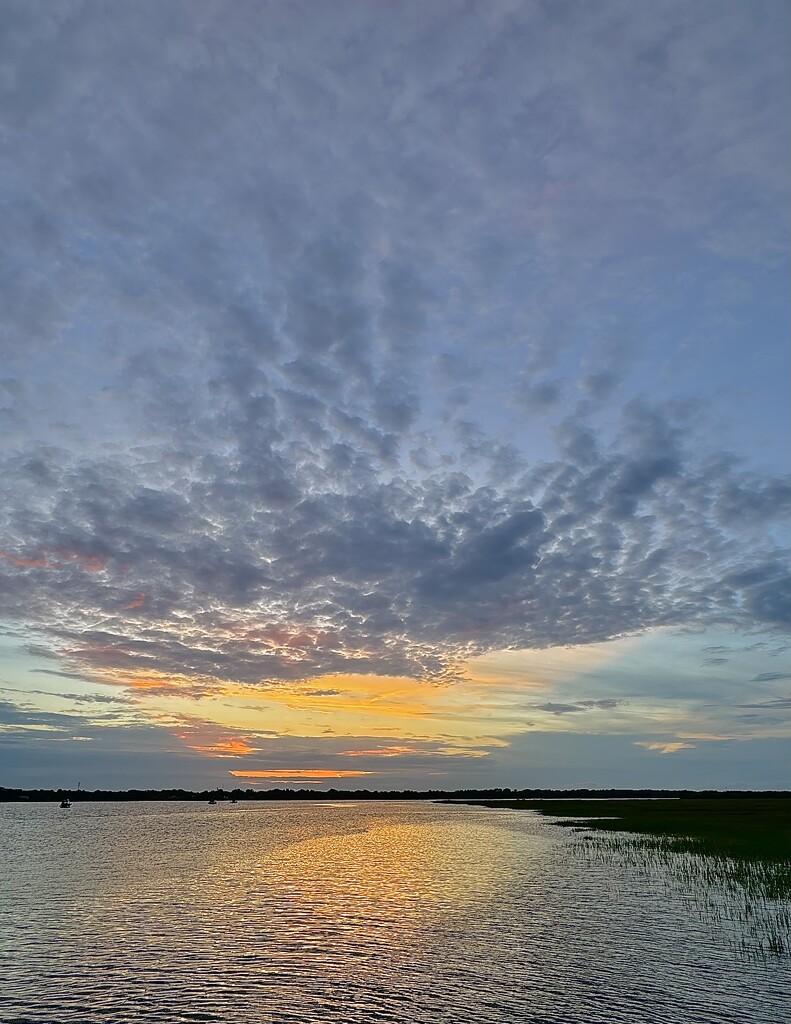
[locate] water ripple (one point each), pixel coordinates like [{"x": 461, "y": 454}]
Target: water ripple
[{"x": 408, "y": 912}]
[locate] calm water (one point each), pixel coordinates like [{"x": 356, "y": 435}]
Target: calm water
[{"x": 363, "y": 912}]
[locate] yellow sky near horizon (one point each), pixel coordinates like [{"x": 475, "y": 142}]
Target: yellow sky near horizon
[
  {"x": 384, "y": 723},
  {"x": 488, "y": 703}
]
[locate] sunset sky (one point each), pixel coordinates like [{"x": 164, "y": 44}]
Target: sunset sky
[{"x": 394, "y": 394}]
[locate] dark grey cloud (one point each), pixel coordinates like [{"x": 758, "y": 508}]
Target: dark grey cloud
[
  {"x": 77, "y": 698},
  {"x": 55, "y": 672},
  {"x": 600, "y": 385},
  {"x": 556, "y": 708},
  {"x": 12, "y": 714},
  {"x": 21, "y": 722},
  {"x": 540, "y": 396},
  {"x": 778, "y": 704},
  {"x": 93, "y": 698}
]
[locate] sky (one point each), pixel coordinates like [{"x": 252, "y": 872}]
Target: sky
[{"x": 394, "y": 395}]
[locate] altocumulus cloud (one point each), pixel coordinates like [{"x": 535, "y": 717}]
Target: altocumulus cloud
[
  {"x": 399, "y": 576},
  {"x": 274, "y": 276}
]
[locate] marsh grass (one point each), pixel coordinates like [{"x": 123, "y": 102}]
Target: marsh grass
[
  {"x": 728, "y": 859},
  {"x": 746, "y": 902},
  {"x": 751, "y": 828}
]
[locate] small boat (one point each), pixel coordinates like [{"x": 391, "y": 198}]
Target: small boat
[
  {"x": 212, "y": 801},
  {"x": 65, "y": 802}
]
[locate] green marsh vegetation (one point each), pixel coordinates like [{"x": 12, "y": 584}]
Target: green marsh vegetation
[
  {"x": 729, "y": 858},
  {"x": 750, "y": 829}
]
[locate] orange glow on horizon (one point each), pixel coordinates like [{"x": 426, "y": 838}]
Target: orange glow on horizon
[
  {"x": 296, "y": 773},
  {"x": 150, "y": 683},
  {"x": 222, "y": 748},
  {"x": 404, "y": 751},
  {"x": 350, "y": 695},
  {"x": 383, "y": 752},
  {"x": 405, "y": 712}
]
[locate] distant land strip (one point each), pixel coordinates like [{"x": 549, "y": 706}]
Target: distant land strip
[{"x": 8, "y": 794}]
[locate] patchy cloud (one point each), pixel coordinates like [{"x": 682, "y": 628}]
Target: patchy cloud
[
  {"x": 605, "y": 704},
  {"x": 777, "y": 704},
  {"x": 663, "y": 747},
  {"x": 403, "y": 577}
]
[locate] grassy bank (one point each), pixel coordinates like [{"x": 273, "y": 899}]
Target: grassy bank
[
  {"x": 743, "y": 829},
  {"x": 730, "y": 857}
]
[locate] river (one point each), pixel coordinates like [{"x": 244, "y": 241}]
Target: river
[{"x": 347, "y": 912}]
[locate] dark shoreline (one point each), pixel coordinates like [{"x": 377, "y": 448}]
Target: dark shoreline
[
  {"x": 10, "y": 795},
  {"x": 747, "y": 826}
]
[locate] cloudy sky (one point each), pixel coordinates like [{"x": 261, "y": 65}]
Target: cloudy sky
[{"x": 394, "y": 394}]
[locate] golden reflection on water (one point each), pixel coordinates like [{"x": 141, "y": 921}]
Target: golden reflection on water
[
  {"x": 405, "y": 868},
  {"x": 346, "y": 914},
  {"x": 332, "y": 885},
  {"x": 352, "y": 897}
]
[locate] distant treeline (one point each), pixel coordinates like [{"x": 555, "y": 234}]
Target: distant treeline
[{"x": 41, "y": 795}]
